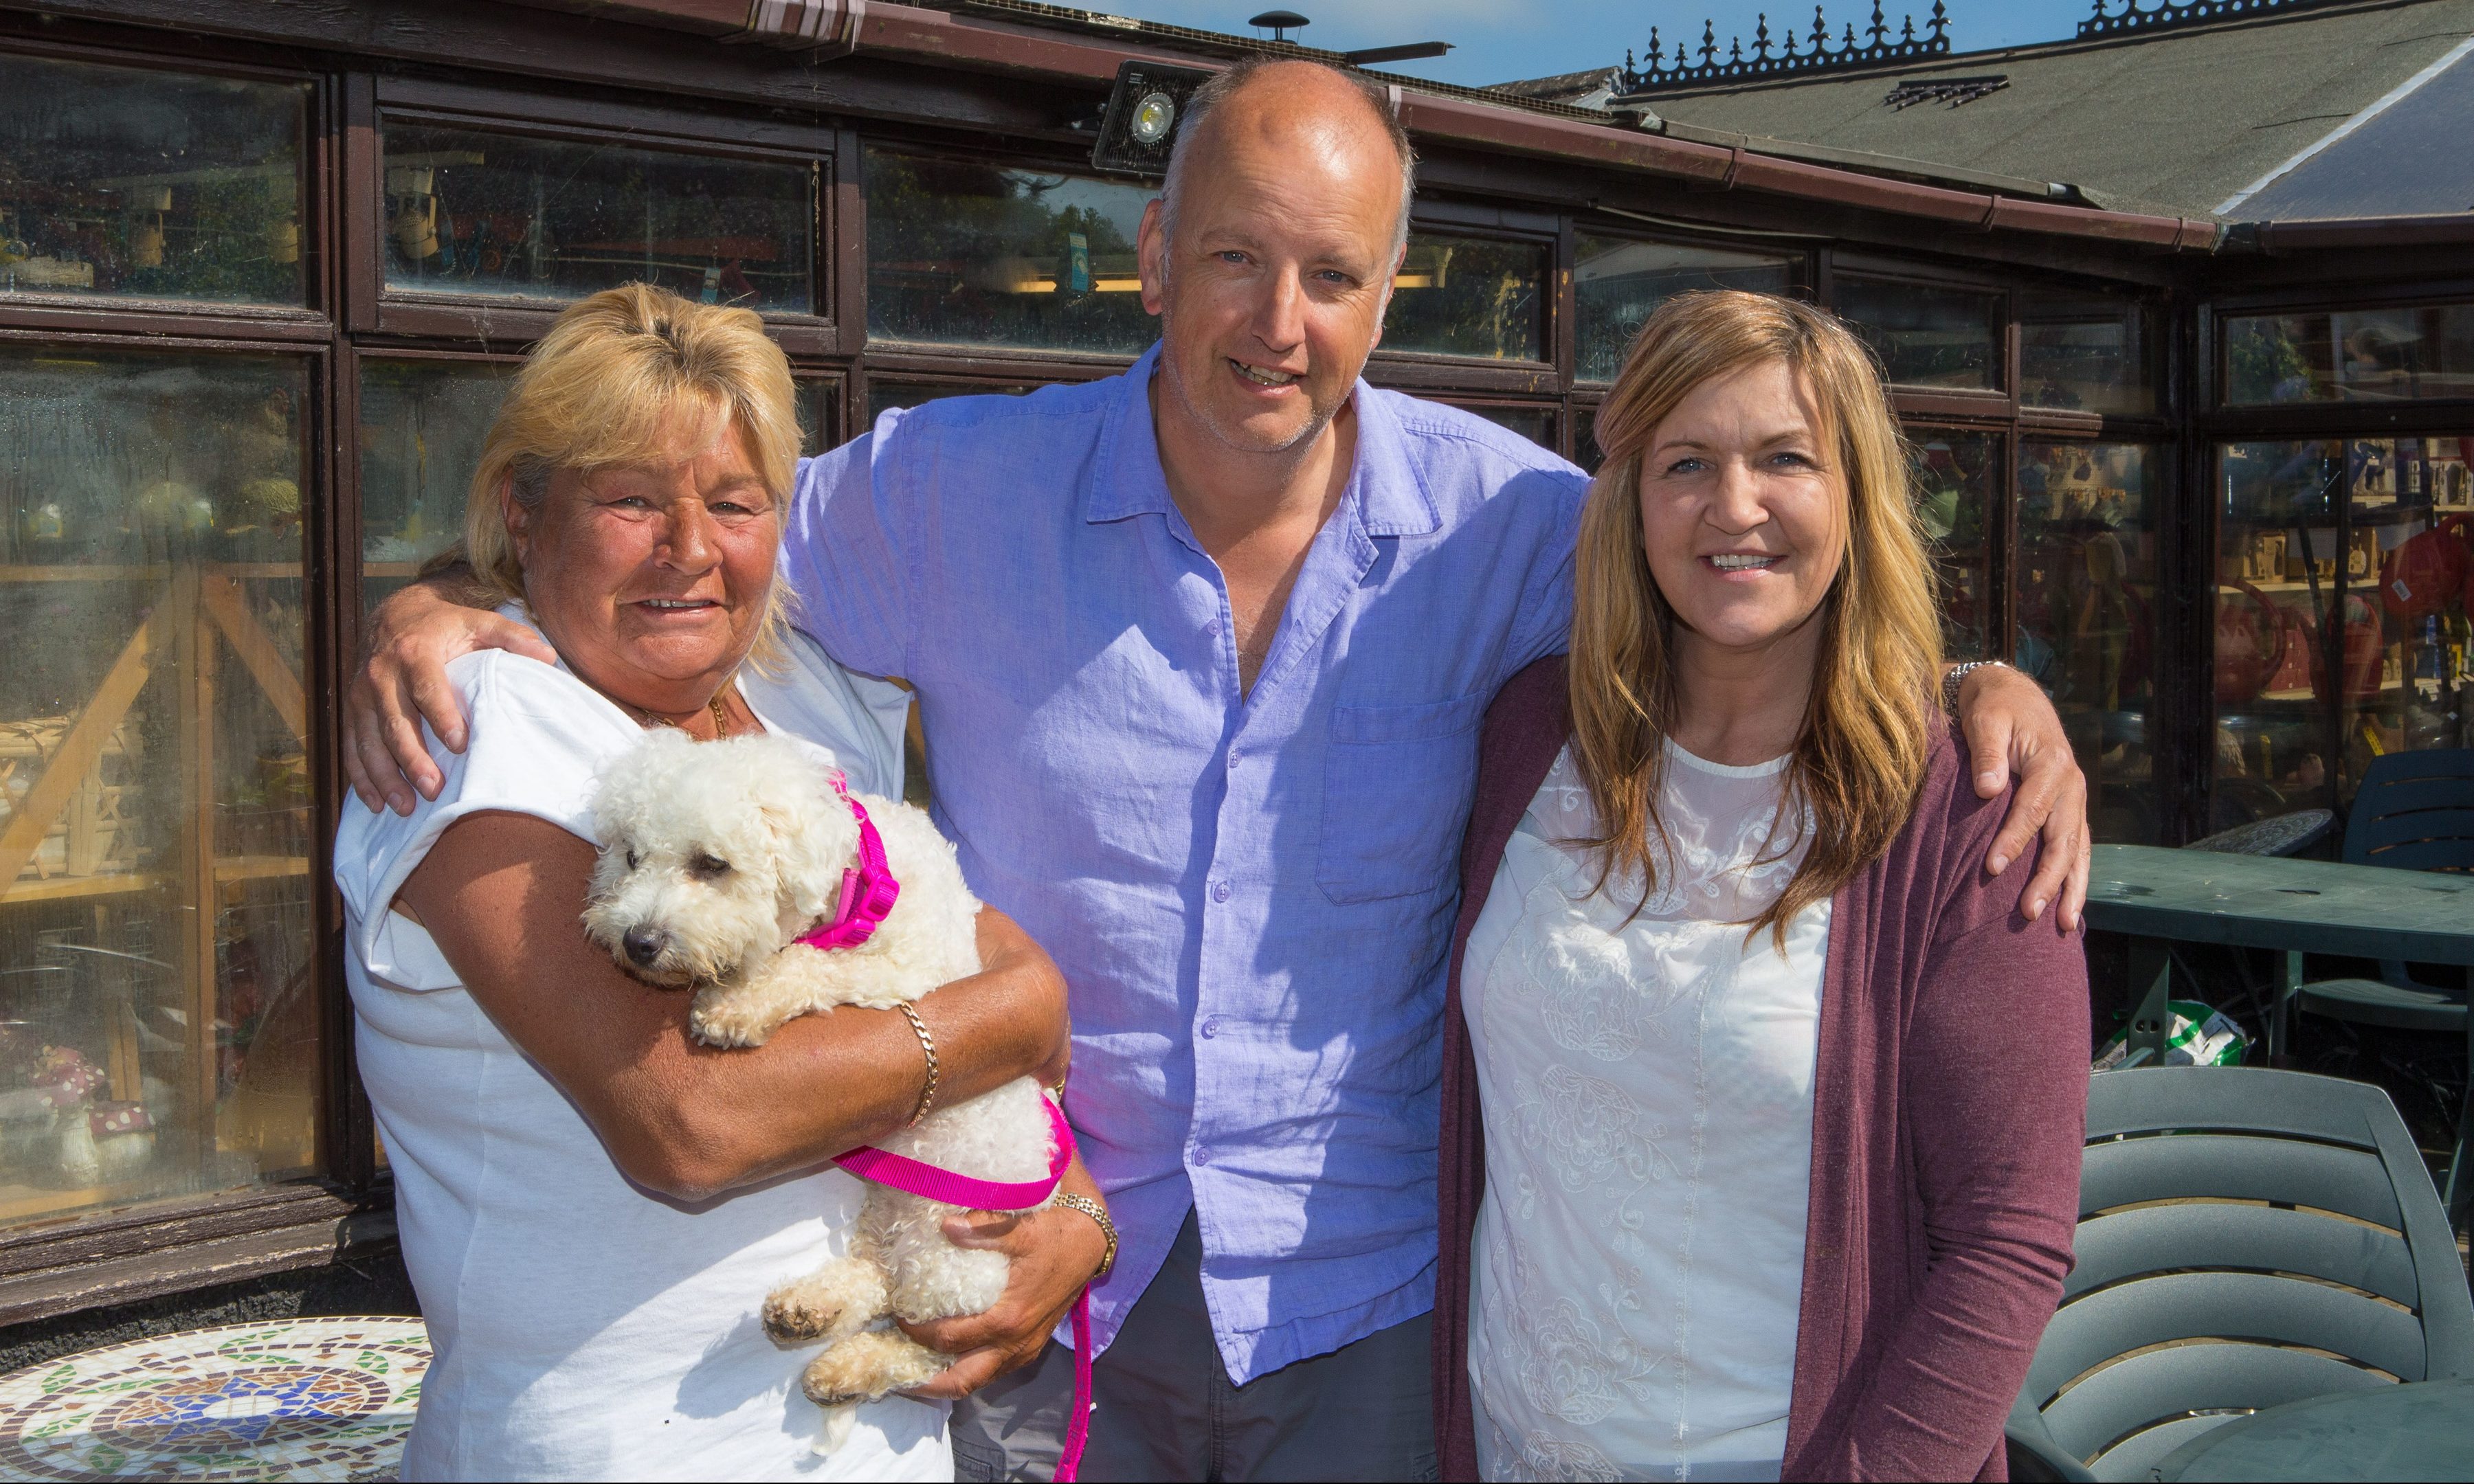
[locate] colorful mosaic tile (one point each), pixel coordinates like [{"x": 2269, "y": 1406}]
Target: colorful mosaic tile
[{"x": 301, "y": 1399}]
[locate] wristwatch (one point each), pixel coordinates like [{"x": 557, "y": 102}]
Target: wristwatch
[{"x": 1956, "y": 677}]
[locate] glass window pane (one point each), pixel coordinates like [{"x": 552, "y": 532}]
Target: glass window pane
[
  {"x": 884, "y": 395},
  {"x": 1468, "y": 296},
  {"x": 2276, "y": 584},
  {"x": 422, "y": 426},
  {"x": 1533, "y": 423},
  {"x": 970, "y": 254},
  {"x": 2405, "y": 565},
  {"x": 1618, "y": 284},
  {"x": 1958, "y": 478},
  {"x": 2367, "y": 355},
  {"x": 2085, "y": 352},
  {"x": 1926, "y": 336},
  {"x": 1586, "y": 451},
  {"x": 2087, "y": 613},
  {"x": 116, "y": 180},
  {"x": 503, "y": 216},
  {"x": 159, "y": 1015},
  {"x": 820, "y": 413}
]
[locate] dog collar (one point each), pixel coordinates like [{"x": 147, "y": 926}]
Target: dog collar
[{"x": 868, "y": 891}]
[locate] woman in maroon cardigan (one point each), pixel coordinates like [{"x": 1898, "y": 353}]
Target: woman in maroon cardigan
[{"x": 1762, "y": 1103}]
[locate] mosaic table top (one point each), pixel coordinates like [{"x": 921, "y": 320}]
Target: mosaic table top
[{"x": 300, "y": 1398}]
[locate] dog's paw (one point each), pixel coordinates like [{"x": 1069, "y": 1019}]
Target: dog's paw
[
  {"x": 868, "y": 1365},
  {"x": 796, "y": 1315},
  {"x": 724, "y": 1024},
  {"x": 836, "y": 1299}
]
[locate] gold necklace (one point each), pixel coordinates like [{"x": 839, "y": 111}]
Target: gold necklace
[{"x": 720, "y": 716}]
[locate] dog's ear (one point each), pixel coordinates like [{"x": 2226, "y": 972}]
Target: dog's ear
[{"x": 814, "y": 837}]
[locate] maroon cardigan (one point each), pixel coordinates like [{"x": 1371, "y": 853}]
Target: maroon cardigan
[{"x": 1950, "y": 1101}]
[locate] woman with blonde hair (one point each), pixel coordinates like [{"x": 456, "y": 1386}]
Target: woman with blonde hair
[
  {"x": 592, "y": 1206},
  {"x": 1762, "y": 1100}
]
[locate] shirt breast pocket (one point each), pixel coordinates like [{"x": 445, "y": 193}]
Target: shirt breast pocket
[{"x": 1395, "y": 796}]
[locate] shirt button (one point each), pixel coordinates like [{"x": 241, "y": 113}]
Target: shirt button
[
  {"x": 1202, "y": 1155},
  {"x": 1211, "y": 1027},
  {"x": 1219, "y": 891},
  {"x": 1233, "y": 757},
  {"x": 1211, "y": 630}
]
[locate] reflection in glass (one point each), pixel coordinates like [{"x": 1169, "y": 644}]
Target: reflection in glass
[
  {"x": 2087, "y": 615},
  {"x": 1468, "y": 296},
  {"x": 2280, "y": 576},
  {"x": 884, "y": 395},
  {"x": 819, "y": 411},
  {"x": 2085, "y": 352},
  {"x": 971, "y": 254},
  {"x": 1958, "y": 478},
  {"x": 121, "y": 181},
  {"x": 158, "y": 1020},
  {"x": 1586, "y": 451},
  {"x": 1618, "y": 284},
  {"x": 422, "y": 426},
  {"x": 1533, "y": 423},
  {"x": 1926, "y": 336},
  {"x": 2365, "y": 355},
  {"x": 504, "y": 216}
]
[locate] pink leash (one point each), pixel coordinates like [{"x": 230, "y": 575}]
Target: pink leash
[
  {"x": 936, "y": 1183},
  {"x": 868, "y": 893}
]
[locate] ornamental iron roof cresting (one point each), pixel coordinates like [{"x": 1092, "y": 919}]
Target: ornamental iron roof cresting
[
  {"x": 1657, "y": 74},
  {"x": 2137, "y": 15}
]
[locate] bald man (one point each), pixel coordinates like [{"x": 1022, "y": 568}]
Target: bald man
[{"x": 1201, "y": 651}]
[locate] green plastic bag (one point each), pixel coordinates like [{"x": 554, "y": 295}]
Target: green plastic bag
[{"x": 2200, "y": 1036}]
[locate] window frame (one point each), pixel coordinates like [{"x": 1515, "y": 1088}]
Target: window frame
[
  {"x": 117, "y": 1254},
  {"x": 1803, "y": 255},
  {"x": 516, "y": 321},
  {"x": 309, "y": 320}
]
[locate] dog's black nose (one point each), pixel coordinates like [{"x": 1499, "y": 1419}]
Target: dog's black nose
[{"x": 644, "y": 944}]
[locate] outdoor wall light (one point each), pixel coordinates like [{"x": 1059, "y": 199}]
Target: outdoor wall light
[
  {"x": 1153, "y": 117},
  {"x": 1144, "y": 110}
]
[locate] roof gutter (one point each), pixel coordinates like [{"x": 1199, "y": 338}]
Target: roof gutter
[
  {"x": 936, "y": 38},
  {"x": 1738, "y": 167},
  {"x": 2273, "y": 239}
]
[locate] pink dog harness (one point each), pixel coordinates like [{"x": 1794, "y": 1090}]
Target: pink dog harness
[{"x": 868, "y": 893}]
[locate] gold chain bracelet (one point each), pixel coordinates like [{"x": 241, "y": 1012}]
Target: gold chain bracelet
[
  {"x": 1099, "y": 1214},
  {"x": 927, "y": 1043}
]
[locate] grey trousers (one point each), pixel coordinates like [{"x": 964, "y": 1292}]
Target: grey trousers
[{"x": 1164, "y": 1407}]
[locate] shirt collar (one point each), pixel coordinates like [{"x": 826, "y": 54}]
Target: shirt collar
[{"x": 1387, "y": 489}]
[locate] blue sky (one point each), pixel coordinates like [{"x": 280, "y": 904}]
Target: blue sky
[{"x": 1498, "y": 40}]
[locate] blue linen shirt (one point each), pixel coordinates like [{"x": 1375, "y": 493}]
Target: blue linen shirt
[{"x": 1250, "y": 895}]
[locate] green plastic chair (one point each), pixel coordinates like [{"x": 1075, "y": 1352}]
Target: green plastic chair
[
  {"x": 2246, "y": 1238},
  {"x": 2416, "y": 812}
]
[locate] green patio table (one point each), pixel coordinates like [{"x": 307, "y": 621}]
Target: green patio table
[
  {"x": 2384, "y": 1432},
  {"x": 2156, "y": 897}
]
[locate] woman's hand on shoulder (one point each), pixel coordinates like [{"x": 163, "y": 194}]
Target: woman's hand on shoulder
[
  {"x": 1055, "y": 1251},
  {"x": 401, "y": 683},
  {"x": 2011, "y": 727}
]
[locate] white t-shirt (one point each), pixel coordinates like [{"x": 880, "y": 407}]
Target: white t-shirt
[
  {"x": 584, "y": 1328},
  {"x": 1648, "y": 1091}
]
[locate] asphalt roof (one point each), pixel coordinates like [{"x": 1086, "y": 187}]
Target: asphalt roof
[{"x": 2213, "y": 119}]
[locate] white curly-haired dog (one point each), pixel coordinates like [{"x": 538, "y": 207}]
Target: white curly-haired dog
[{"x": 715, "y": 856}]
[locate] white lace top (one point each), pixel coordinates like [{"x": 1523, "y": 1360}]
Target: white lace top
[{"x": 1648, "y": 1094}]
